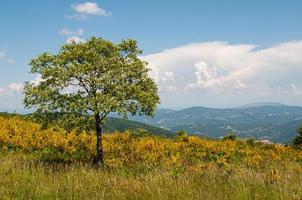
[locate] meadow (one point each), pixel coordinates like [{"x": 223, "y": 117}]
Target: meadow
[{"x": 51, "y": 163}]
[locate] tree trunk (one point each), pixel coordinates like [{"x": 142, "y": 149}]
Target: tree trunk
[{"x": 98, "y": 160}]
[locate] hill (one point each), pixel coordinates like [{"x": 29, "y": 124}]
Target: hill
[
  {"x": 54, "y": 164},
  {"x": 273, "y": 121},
  {"x": 113, "y": 124}
]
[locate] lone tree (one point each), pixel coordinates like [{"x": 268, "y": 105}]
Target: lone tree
[{"x": 92, "y": 79}]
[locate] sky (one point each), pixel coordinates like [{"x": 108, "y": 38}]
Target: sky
[{"x": 213, "y": 53}]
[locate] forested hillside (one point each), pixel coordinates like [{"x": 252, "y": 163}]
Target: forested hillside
[{"x": 275, "y": 122}]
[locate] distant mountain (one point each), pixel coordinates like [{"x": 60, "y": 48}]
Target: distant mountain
[
  {"x": 273, "y": 121},
  {"x": 260, "y": 104}
]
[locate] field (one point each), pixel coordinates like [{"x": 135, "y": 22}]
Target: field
[{"x": 54, "y": 164}]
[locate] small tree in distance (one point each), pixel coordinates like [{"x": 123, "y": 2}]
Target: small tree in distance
[
  {"x": 297, "y": 142},
  {"x": 92, "y": 79}
]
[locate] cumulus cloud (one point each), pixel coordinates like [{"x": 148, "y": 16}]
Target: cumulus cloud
[
  {"x": 206, "y": 77},
  {"x": 83, "y": 10},
  {"x": 68, "y": 32},
  {"x": 75, "y": 39},
  {"x": 221, "y": 68}
]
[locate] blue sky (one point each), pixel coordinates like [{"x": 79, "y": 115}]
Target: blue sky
[{"x": 209, "y": 53}]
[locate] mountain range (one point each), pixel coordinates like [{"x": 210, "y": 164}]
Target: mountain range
[{"x": 273, "y": 121}]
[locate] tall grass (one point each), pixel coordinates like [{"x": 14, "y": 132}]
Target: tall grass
[{"x": 21, "y": 177}]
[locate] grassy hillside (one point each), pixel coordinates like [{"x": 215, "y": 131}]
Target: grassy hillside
[{"x": 54, "y": 164}]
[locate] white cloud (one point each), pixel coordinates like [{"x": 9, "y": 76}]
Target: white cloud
[
  {"x": 16, "y": 87},
  {"x": 12, "y": 88},
  {"x": 74, "y": 35},
  {"x": 83, "y": 10},
  {"x": 220, "y": 68},
  {"x": 206, "y": 76},
  {"x": 168, "y": 76},
  {"x": 68, "y": 32},
  {"x": 75, "y": 39}
]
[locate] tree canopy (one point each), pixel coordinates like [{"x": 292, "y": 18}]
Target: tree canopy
[{"x": 92, "y": 79}]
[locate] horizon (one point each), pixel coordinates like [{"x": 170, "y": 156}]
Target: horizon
[
  {"x": 27, "y": 111},
  {"x": 213, "y": 54}
]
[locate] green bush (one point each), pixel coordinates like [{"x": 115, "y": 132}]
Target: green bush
[
  {"x": 183, "y": 136},
  {"x": 230, "y": 136},
  {"x": 182, "y": 133},
  {"x": 297, "y": 142},
  {"x": 140, "y": 132}
]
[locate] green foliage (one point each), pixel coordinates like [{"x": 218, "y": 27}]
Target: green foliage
[
  {"x": 96, "y": 77},
  {"x": 52, "y": 155},
  {"x": 230, "y": 136},
  {"x": 56, "y": 155},
  {"x": 140, "y": 132},
  {"x": 182, "y": 133},
  {"x": 251, "y": 141},
  {"x": 177, "y": 172},
  {"x": 182, "y": 136},
  {"x": 117, "y": 124},
  {"x": 298, "y": 140}
]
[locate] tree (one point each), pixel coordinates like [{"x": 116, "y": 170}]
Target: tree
[
  {"x": 90, "y": 80},
  {"x": 298, "y": 140}
]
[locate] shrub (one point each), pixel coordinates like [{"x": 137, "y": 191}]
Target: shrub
[
  {"x": 251, "y": 141},
  {"x": 297, "y": 142},
  {"x": 230, "y": 136},
  {"x": 182, "y": 133},
  {"x": 182, "y": 136},
  {"x": 140, "y": 132},
  {"x": 139, "y": 150}
]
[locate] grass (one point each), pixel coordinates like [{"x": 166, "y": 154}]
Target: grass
[
  {"x": 55, "y": 164},
  {"x": 23, "y": 177}
]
